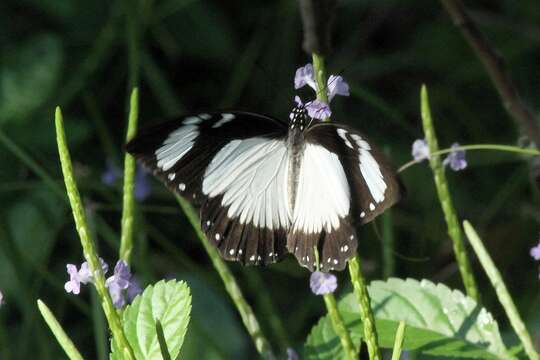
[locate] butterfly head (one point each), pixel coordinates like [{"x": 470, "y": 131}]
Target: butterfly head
[{"x": 299, "y": 118}]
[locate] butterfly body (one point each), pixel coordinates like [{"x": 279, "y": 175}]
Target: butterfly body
[{"x": 266, "y": 188}]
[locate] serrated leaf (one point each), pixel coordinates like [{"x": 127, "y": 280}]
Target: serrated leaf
[
  {"x": 170, "y": 303},
  {"x": 440, "y": 322}
]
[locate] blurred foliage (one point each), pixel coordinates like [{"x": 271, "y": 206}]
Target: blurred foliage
[{"x": 188, "y": 55}]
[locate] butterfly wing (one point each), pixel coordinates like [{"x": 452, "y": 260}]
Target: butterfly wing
[
  {"x": 343, "y": 180},
  {"x": 232, "y": 165}
]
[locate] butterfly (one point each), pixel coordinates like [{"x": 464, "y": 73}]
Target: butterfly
[{"x": 266, "y": 187}]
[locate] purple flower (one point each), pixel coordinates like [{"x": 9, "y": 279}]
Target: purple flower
[
  {"x": 1, "y": 299},
  {"x": 119, "y": 282},
  {"x": 305, "y": 75},
  {"x": 316, "y": 109},
  {"x": 142, "y": 184},
  {"x": 322, "y": 283},
  {"x": 111, "y": 174},
  {"x": 535, "y": 252},
  {"x": 291, "y": 354},
  {"x": 133, "y": 289},
  {"x": 82, "y": 276},
  {"x": 337, "y": 86},
  {"x": 420, "y": 150},
  {"x": 456, "y": 159}
]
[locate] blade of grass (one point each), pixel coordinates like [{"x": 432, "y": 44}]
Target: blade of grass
[
  {"x": 87, "y": 242},
  {"x": 58, "y": 332},
  {"x": 128, "y": 207},
  {"x": 398, "y": 342},
  {"x": 502, "y": 291},
  {"x": 246, "y": 312}
]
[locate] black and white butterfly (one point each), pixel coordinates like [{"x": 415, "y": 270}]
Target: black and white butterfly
[{"x": 266, "y": 188}]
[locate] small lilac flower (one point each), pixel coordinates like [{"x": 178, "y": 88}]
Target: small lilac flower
[
  {"x": 456, "y": 159},
  {"x": 75, "y": 280},
  {"x": 322, "y": 283},
  {"x": 142, "y": 184},
  {"x": 133, "y": 289},
  {"x": 337, "y": 86},
  {"x": 535, "y": 252},
  {"x": 305, "y": 75},
  {"x": 291, "y": 354},
  {"x": 420, "y": 150},
  {"x": 118, "y": 282},
  {"x": 1, "y": 299},
  {"x": 111, "y": 174},
  {"x": 82, "y": 276},
  {"x": 318, "y": 110}
]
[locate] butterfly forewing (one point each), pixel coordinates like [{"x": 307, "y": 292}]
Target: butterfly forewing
[{"x": 233, "y": 166}]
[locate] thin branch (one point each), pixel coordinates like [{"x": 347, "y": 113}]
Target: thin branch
[{"x": 495, "y": 68}]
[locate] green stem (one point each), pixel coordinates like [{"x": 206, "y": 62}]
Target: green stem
[
  {"x": 115, "y": 325},
  {"x": 502, "y": 292},
  {"x": 454, "y": 230},
  {"x": 339, "y": 327},
  {"x": 320, "y": 77},
  {"x": 366, "y": 313},
  {"x": 126, "y": 240},
  {"x": 388, "y": 260},
  {"x": 496, "y": 147},
  {"x": 398, "y": 342},
  {"x": 58, "y": 332},
  {"x": 246, "y": 312}
]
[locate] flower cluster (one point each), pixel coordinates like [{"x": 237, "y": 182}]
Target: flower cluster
[
  {"x": 456, "y": 159},
  {"x": 317, "y": 109},
  {"x": 123, "y": 287},
  {"x": 322, "y": 283},
  {"x": 142, "y": 184},
  {"x": 535, "y": 253}
]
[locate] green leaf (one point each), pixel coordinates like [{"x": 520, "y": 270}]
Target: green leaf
[
  {"x": 440, "y": 322},
  {"x": 170, "y": 303},
  {"x": 33, "y": 65}
]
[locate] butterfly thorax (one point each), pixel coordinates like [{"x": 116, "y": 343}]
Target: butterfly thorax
[{"x": 299, "y": 121}]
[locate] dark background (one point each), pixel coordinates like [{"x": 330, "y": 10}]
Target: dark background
[{"x": 191, "y": 55}]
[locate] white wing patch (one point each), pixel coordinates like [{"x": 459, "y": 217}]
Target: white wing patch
[
  {"x": 371, "y": 172},
  {"x": 323, "y": 195},
  {"x": 177, "y": 144},
  {"x": 225, "y": 118},
  {"x": 251, "y": 175}
]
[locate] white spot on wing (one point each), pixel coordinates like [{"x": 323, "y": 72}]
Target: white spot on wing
[
  {"x": 371, "y": 206},
  {"x": 171, "y": 176},
  {"x": 342, "y": 134},
  {"x": 225, "y": 118},
  {"x": 251, "y": 175},
  {"x": 192, "y": 120},
  {"x": 182, "y": 186},
  {"x": 218, "y": 236},
  {"x": 323, "y": 195},
  {"x": 362, "y": 214},
  {"x": 205, "y": 116}
]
